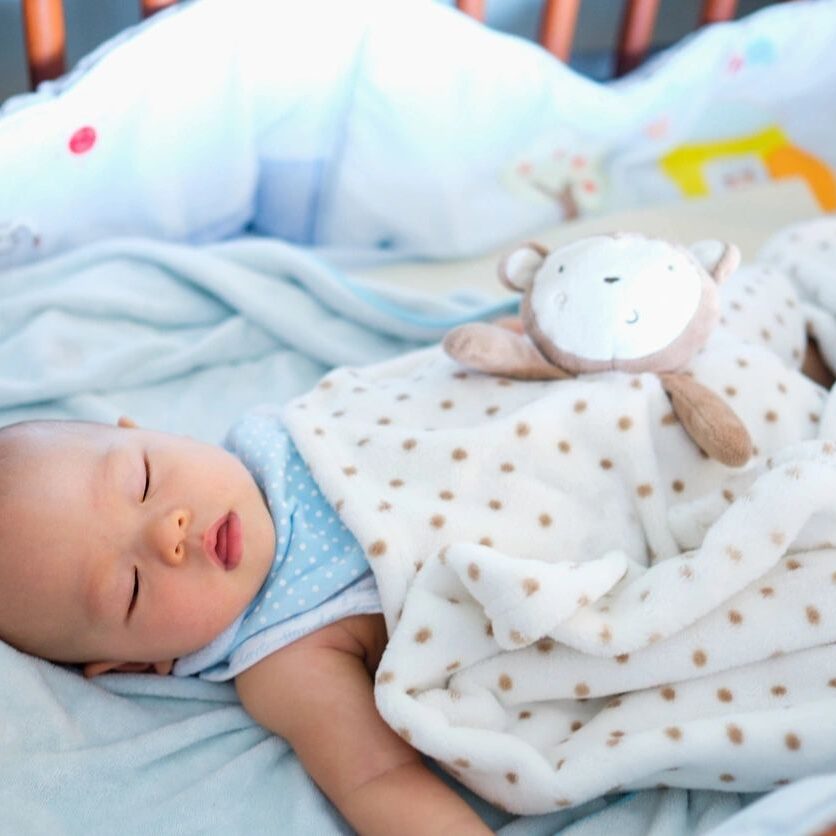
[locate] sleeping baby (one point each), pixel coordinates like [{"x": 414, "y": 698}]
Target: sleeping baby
[
  {"x": 146, "y": 551},
  {"x": 126, "y": 549}
]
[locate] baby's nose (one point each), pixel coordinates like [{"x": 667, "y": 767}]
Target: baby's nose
[{"x": 169, "y": 535}]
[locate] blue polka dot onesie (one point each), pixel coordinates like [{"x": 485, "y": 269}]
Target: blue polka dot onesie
[{"x": 319, "y": 574}]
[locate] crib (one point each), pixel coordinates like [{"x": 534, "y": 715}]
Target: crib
[
  {"x": 45, "y": 31},
  {"x": 154, "y": 262}
]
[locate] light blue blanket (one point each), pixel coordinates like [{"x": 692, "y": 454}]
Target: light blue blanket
[{"x": 184, "y": 339}]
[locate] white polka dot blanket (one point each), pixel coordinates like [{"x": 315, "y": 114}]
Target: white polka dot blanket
[{"x": 579, "y": 601}]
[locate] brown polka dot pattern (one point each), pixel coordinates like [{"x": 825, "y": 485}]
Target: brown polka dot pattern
[
  {"x": 517, "y": 637},
  {"x": 378, "y": 548},
  {"x": 734, "y": 554},
  {"x": 508, "y": 467},
  {"x": 735, "y": 734}
]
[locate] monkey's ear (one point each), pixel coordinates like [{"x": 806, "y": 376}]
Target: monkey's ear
[
  {"x": 518, "y": 268},
  {"x": 719, "y": 258}
]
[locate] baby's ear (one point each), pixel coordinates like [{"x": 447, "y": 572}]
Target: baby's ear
[
  {"x": 126, "y": 423},
  {"x": 719, "y": 258},
  {"x": 92, "y": 669},
  {"x": 518, "y": 268}
]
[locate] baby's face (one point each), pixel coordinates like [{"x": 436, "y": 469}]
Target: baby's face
[{"x": 121, "y": 544}]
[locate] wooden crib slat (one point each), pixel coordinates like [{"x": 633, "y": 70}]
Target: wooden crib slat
[
  {"x": 557, "y": 26},
  {"x": 474, "y": 8},
  {"x": 636, "y": 34},
  {"x": 45, "y": 38},
  {"x": 150, "y": 7},
  {"x": 713, "y": 11}
]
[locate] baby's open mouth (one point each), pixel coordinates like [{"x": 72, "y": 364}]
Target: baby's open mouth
[{"x": 224, "y": 542}]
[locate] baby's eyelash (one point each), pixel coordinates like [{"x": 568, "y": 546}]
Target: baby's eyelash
[
  {"x": 135, "y": 593},
  {"x": 147, "y": 478}
]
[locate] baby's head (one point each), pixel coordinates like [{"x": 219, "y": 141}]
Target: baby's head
[{"x": 122, "y": 545}]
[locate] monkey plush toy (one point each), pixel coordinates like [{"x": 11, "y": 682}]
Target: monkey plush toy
[{"x": 620, "y": 302}]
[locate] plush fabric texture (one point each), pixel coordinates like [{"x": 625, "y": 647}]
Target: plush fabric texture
[
  {"x": 806, "y": 252},
  {"x": 579, "y": 601}
]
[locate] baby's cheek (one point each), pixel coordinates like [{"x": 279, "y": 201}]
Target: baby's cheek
[{"x": 189, "y": 619}]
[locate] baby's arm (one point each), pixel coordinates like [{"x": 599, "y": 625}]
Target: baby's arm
[{"x": 318, "y": 694}]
